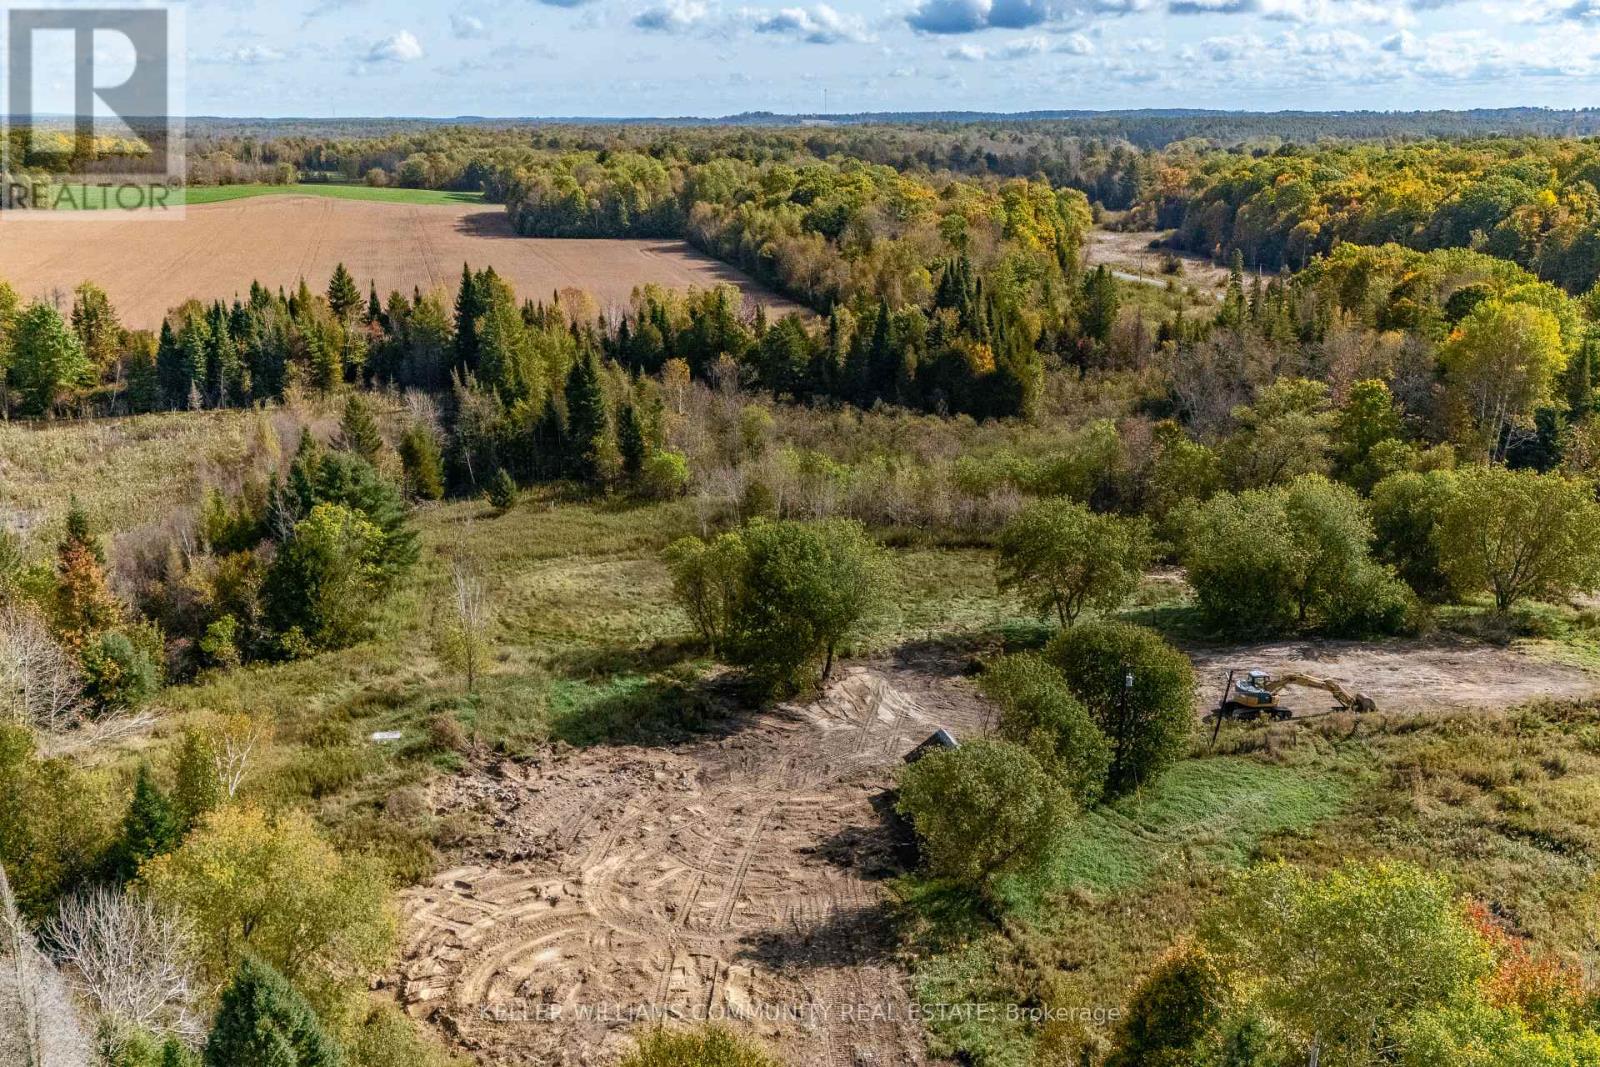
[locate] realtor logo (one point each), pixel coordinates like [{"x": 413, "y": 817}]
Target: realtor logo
[{"x": 90, "y": 121}]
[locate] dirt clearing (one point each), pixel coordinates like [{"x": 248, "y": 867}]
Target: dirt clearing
[
  {"x": 217, "y": 250},
  {"x": 1406, "y": 676},
  {"x": 737, "y": 878},
  {"x": 1131, "y": 258}
]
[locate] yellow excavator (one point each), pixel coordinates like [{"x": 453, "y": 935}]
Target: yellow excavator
[{"x": 1253, "y": 695}]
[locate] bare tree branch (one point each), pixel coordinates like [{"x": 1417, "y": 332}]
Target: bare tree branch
[{"x": 130, "y": 957}]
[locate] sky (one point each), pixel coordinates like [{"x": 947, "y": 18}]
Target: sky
[{"x": 611, "y": 58}]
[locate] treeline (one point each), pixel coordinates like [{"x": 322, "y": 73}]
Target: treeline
[{"x": 1531, "y": 201}]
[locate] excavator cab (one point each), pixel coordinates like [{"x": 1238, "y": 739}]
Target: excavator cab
[
  {"x": 1251, "y": 691},
  {"x": 1251, "y": 697}
]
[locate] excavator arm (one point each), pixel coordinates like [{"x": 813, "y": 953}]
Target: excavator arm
[{"x": 1351, "y": 701}]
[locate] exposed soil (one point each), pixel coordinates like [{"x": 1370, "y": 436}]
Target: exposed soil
[
  {"x": 1405, "y": 676},
  {"x": 736, "y": 878},
  {"x": 1131, "y": 258},
  {"x": 217, "y": 250}
]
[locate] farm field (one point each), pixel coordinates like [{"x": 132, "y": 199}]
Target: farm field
[
  {"x": 217, "y": 250},
  {"x": 94, "y": 198}
]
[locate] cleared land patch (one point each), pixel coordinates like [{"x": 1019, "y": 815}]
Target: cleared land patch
[
  {"x": 1402, "y": 676},
  {"x": 739, "y": 877},
  {"x": 218, "y": 249}
]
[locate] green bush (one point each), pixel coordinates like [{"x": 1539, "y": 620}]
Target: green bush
[
  {"x": 1062, "y": 558},
  {"x": 119, "y": 674},
  {"x": 502, "y": 491},
  {"x": 1407, "y": 509},
  {"x": 264, "y": 1022},
  {"x": 1173, "y": 1014},
  {"x": 707, "y": 577},
  {"x": 326, "y": 580},
  {"x": 1290, "y": 557},
  {"x": 423, "y": 463},
  {"x": 983, "y": 810},
  {"x": 1039, "y": 713},
  {"x": 1150, "y": 723},
  {"x": 664, "y": 475},
  {"x": 806, "y": 588},
  {"x": 713, "y": 1046}
]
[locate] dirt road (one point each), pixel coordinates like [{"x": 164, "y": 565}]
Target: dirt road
[{"x": 737, "y": 878}]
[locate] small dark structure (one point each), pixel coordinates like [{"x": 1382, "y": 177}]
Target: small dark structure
[{"x": 942, "y": 739}]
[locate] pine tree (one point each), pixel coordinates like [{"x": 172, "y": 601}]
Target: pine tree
[
  {"x": 882, "y": 362},
  {"x": 630, "y": 442},
  {"x": 143, "y": 392},
  {"x": 586, "y": 420},
  {"x": 149, "y": 829},
  {"x": 343, "y": 296},
  {"x": 502, "y": 492},
  {"x": 470, "y": 307},
  {"x": 84, "y": 604},
  {"x": 375, "y": 315},
  {"x": 422, "y": 462},
  {"x": 358, "y": 430},
  {"x": 263, "y": 1021}
]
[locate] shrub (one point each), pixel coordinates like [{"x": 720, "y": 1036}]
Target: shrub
[
  {"x": 1407, "y": 509},
  {"x": 1039, "y": 713},
  {"x": 706, "y": 579},
  {"x": 713, "y": 1046},
  {"x": 806, "y": 588},
  {"x": 1290, "y": 556},
  {"x": 983, "y": 810},
  {"x": 1063, "y": 558},
  {"x": 664, "y": 475},
  {"x": 1344, "y": 960},
  {"x": 422, "y": 462},
  {"x": 119, "y": 674},
  {"x": 272, "y": 888},
  {"x": 264, "y": 1022},
  {"x": 502, "y": 491},
  {"x": 1174, "y": 1011},
  {"x": 326, "y": 580},
  {"x": 1150, "y": 723},
  {"x": 445, "y": 733}
]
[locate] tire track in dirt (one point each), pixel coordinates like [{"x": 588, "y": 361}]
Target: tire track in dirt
[{"x": 737, "y": 878}]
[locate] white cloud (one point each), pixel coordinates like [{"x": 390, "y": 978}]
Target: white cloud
[
  {"x": 817, "y": 25},
  {"x": 675, "y": 16},
  {"x": 402, "y": 47}
]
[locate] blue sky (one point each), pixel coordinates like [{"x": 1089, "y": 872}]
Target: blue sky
[{"x": 709, "y": 57}]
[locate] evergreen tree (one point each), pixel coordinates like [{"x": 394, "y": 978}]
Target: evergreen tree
[
  {"x": 422, "y": 463},
  {"x": 143, "y": 392},
  {"x": 586, "y": 420},
  {"x": 1098, "y": 305},
  {"x": 358, "y": 429},
  {"x": 343, "y": 296},
  {"x": 149, "y": 829},
  {"x": 47, "y": 360},
  {"x": 375, "y": 315},
  {"x": 471, "y": 304},
  {"x": 630, "y": 442},
  {"x": 883, "y": 364},
  {"x": 264, "y": 1022}
]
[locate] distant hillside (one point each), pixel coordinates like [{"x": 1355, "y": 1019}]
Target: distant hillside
[{"x": 1153, "y": 128}]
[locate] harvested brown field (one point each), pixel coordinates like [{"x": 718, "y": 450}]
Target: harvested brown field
[
  {"x": 738, "y": 878},
  {"x": 219, "y": 249}
]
